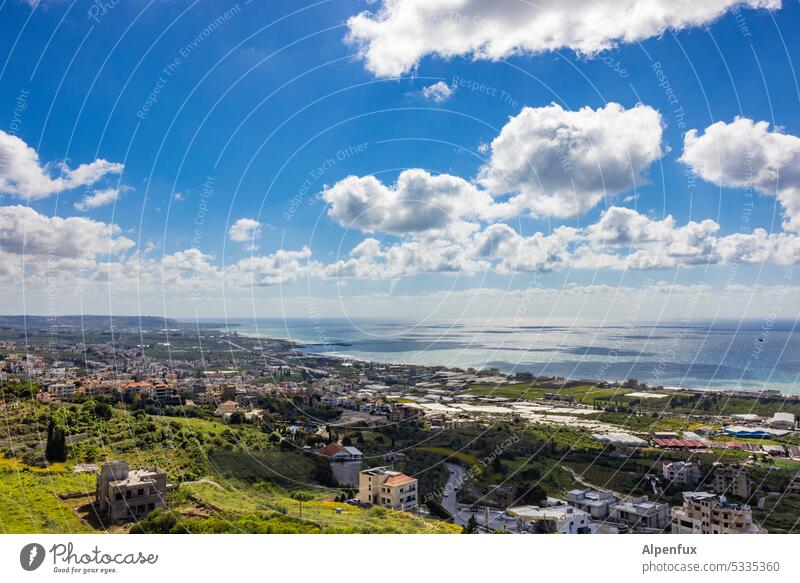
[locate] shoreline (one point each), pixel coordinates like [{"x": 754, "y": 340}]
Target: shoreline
[{"x": 298, "y": 344}]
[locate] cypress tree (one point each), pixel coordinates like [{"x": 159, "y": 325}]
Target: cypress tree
[{"x": 56, "y": 448}]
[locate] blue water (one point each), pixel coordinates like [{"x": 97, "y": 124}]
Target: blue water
[{"x": 728, "y": 355}]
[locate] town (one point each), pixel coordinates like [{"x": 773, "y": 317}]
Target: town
[{"x": 157, "y": 426}]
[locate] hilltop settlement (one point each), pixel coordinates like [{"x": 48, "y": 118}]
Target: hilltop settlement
[{"x": 155, "y": 426}]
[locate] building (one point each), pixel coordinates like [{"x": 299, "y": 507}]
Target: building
[
  {"x": 732, "y": 480},
  {"x": 782, "y": 421},
  {"x": 707, "y": 513},
  {"x": 640, "y": 514},
  {"x": 345, "y": 463},
  {"x": 620, "y": 438},
  {"x": 341, "y": 453},
  {"x": 124, "y": 494},
  {"x": 748, "y": 432},
  {"x": 226, "y": 409},
  {"x": 387, "y": 488},
  {"x": 168, "y": 393},
  {"x": 402, "y": 412},
  {"x": 552, "y": 519},
  {"x": 61, "y": 390},
  {"x": 681, "y": 473},
  {"x": 591, "y": 501}
]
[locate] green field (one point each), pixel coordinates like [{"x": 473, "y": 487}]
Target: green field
[
  {"x": 779, "y": 515},
  {"x": 30, "y": 503}
]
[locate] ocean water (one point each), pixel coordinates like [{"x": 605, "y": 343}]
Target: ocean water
[{"x": 723, "y": 355}]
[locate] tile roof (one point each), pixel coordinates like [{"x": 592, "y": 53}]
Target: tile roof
[
  {"x": 330, "y": 449},
  {"x": 397, "y": 480}
]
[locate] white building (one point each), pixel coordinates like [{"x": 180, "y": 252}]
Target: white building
[
  {"x": 591, "y": 501},
  {"x": 782, "y": 420},
  {"x": 553, "y": 519},
  {"x": 641, "y": 514}
]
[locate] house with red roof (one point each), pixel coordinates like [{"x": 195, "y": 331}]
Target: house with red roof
[
  {"x": 385, "y": 487},
  {"x": 340, "y": 453}
]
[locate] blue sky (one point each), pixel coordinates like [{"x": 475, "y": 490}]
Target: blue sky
[{"x": 272, "y": 92}]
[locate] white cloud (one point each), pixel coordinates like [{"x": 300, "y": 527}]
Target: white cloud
[
  {"x": 43, "y": 244},
  {"x": 279, "y": 267},
  {"x": 100, "y": 198},
  {"x": 393, "y": 39},
  {"x": 22, "y": 175},
  {"x": 439, "y": 92},
  {"x": 746, "y": 154},
  {"x": 370, "y": 260},
  {"x": 245, "y": 231},
  {"x": 418, "y": 203},
  {"x": 553, "y": 163},
  {"x": 539, "y": 252},
  {"x": 561, "y": 163}
]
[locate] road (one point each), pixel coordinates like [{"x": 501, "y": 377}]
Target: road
[{"x": 456, "y": 479}]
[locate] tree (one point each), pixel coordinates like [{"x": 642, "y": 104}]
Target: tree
[
  {"x": 301, "y": 497},
  {"x": 497, "y": 466},
  {"x": 56, "y": 448},
  {"x": 472, "y": 525},
  {"x": 237, "y": 418}
]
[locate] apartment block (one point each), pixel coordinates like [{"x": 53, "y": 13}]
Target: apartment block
[
  {"x": 708, "y": 513},
  {"x": 681, "y": 473},
  {"x": 732, "y": 480}
]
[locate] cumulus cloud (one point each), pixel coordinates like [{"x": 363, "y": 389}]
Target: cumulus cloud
[
  {"x": 561, "y": 163},
  {"x": 245, "y": 231},
  {"x": 395, "y": 37},
  {"x": 552, "y": 162},
  {"x": 372, "y": 260},
  {"x": 39, "y": 243},
  {"x": 23, "y": 175},
  {"x": 279, "y": 267},
  {"x": 418, "y": 203},
  {"x": 439, "y": 92},
  {"x": 746, "y": 154},
  {"x": 100, "y": 198},
  {"x": 514, "y": 252}
]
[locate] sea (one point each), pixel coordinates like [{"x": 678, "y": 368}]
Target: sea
[{"x": 740, "y": 355}]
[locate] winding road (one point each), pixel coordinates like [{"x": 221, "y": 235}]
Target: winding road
[{"x": 456, "y": 479}]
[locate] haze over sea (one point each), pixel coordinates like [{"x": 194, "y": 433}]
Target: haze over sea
[{"x": 746, "y": 355}]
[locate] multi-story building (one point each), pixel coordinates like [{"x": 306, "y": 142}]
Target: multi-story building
[
  {"x": 61, "y": 389},
  {"x": 591, "y": 501},
  {"x": 124, "y": 494},
  {"x": 640, "y": 514},
  {"x": 732, "y": 480},
  {"x": 401, "y": 413},
  {"x": 387, "y": 488},
  {"x": 681, "y": 473},
  {"x": 708, "y": 513}
]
